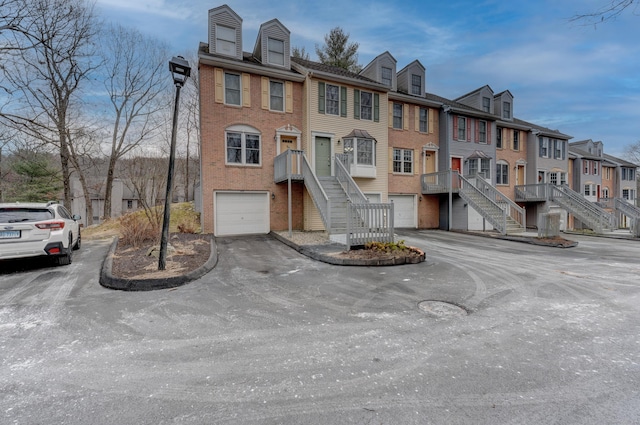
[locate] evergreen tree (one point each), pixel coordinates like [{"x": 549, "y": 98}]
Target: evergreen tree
[{"x": 337, "y": 51}]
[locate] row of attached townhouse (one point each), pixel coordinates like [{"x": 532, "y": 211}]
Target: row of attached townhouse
[{"x": 278, "y": 131}]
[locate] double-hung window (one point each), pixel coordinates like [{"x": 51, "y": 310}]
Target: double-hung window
[
  {"x": 386, "y": 76},
  {"x": 232, "y": 89},
  {"x": 462, "y": 128},
  {"x": 397, "y": 115},
  {"x": 486, "y": 104},
  {"x": 482, "y": 131},
  {"x": 558, "y": 149},
  {"x": 542, "y": 142},
  {"x": 516, "y": 140},
  {"x": 276, "y": 51},
  {"x": 276, "y": 96},
  {"x": 332, "y": 99},
  {"x": 502, "y": 173},
  {"x": 506, "y": 110},
  {"x": 416, "y": 85},
  {"x": 628, "y": 174},
  {"x": 424, "y": 120},
  {"x": 243, "y": 148},
  {"x": 366, "y": 105},
  {"x": 403, "y": 161},
  {"x": 499, "y": 137},
  {"x": 586, "y": 166},
  {"x": 225, "y": 40}
]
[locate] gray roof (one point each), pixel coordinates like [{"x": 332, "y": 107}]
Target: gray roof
[
  {"x": 583, "y": 154},
  {"x": 619, "y": 161}
]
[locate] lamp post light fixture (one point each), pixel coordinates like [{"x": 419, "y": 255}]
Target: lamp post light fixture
[{"x": 180, "y": 70}]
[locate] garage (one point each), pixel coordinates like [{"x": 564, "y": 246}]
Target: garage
[
  {"x": 404, "y": 210},
  {"x": 241, "y": 213}
]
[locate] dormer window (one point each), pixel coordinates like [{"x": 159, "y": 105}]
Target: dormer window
[
  {"x": 506, "y": 110},
  {"x": 486, "y": 104},
  {"x": 225, "y": 40},
  {"x": 387, "y": 76},
  {"x": 276, "y": 51},
  {"x": 416, "y": 85}
]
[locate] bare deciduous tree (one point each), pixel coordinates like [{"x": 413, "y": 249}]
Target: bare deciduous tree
[
  {"x": 136, "y": 81},
  {"x": 609, "y": 11},
  {"x": 44, "y": 80}
]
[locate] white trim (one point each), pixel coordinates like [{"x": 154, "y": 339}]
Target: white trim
[{"x": 267, "y": 212}]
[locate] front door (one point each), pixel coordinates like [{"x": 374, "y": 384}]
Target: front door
[
  {"x": 286, "y": 143},
  {"x": 520, "y": 175},
  {"x": 323, "y": 156},
  {"x": 456, "y": 165},
  {"x": 429, "y": 162}
]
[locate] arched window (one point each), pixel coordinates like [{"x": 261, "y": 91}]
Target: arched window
[{"x": 243, "y": 145}]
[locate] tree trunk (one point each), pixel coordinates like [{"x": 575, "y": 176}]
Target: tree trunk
[{"x": 108, "y": 188}]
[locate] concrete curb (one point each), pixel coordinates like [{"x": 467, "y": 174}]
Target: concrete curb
[
  {"x": 314, "y": 253},
  {"x": 109, "y": 281},
  {"x": 522, "y": 239}
]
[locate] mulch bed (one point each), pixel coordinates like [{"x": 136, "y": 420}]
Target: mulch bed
[{"x": 191, "y": 252}]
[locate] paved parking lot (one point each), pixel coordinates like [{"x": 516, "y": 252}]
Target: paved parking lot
[{"x": 545, "y": 335}]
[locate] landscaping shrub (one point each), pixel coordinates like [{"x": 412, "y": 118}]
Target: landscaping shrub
[{"x": 136, "y": 229}]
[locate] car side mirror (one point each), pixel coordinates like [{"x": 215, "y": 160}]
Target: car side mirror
[{"x": 76, "y": 217}]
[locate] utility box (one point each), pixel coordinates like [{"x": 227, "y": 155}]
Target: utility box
[{"x": 548, "y": 225}]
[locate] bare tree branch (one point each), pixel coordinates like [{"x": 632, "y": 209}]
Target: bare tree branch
[{"x": 610, "y": 11}]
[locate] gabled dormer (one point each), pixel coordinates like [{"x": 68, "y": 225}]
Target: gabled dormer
[
  {"x": 503, "y": 105},
  {"x": 412, "y": 79},
  {"x": 225, "y": 32},
  {"x": 383, "y": 70},
  {"x": 273, "y": 45},
  {"x": 481, "y": 98}
]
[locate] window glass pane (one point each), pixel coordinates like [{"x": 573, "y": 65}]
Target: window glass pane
[
  {"x": 397, "y": 160},
  {"x": 397, "y": 115},
  {"x": 424, "y": 119},
  {"x": 225, "y": 40},
  {"x": 365, "y": 105},
  {"x": 462, "y": 127},
  {"x": 408, "y": 161},
  {"x": 276, "y": 96},
  {"x": 386, "y": 76},
  {"x": 232, "y": 89},
  {"x": 486, "y": 104},
  {"x": 252, "y": 143},
  {"x": 332, "y": 99},
  {"x": 276, "y": 51},
  {"x": 234, "y": 148},
  {"x": 482, "y": 130},
  {"x": 365, "y": 151},
  {"x": 416, "y": 85}
]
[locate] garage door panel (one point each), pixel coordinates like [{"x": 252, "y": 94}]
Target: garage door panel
[
  {"x": 404, "y": 211},
  {"x": 241, "y": 213}
]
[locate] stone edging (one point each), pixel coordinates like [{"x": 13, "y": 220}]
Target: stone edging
[
  {"x": 109, "y": 281},
  {"x": 308, "y": 251}
]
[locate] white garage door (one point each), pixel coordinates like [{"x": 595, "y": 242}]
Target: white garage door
[
  {"x": 241, "y": 213},
  {"x": 404, "y": 210}
]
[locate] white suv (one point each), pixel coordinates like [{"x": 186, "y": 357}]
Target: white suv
[{"x": 32, "y": 230}]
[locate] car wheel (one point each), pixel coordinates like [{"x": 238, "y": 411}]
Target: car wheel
[
  {"x": 65, "y": 259},
  {"x": 78, "y": 241}
]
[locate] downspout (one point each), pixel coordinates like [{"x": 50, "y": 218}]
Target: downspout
[{"x": 447, "y": 110}]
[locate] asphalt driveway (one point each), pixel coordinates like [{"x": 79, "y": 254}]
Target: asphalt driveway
[{"x": 542, "y": 336}]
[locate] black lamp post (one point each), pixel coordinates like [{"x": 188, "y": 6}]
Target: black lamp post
[{"x": 180, "y": 70}]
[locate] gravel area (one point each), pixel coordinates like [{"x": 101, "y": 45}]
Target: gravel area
[{"x": 306, "y": 238}]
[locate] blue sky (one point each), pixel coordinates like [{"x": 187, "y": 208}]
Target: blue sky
[{"x": 580, "y": 79}]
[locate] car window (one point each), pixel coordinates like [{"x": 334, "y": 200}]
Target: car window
[
  {"x": 64, "y": 213},
  {"x": 19, "y": 214}
]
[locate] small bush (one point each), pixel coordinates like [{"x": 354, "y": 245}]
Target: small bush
[
  {"x": 388, "y": 247},
  {"x": 136, "y": 229}
]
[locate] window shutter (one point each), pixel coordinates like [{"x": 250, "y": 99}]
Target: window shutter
[
  {"x": 218, "y": 76},
  {"x": 265, "y": 93},
  {"x": 416, "y": 162},
  {"x": 376, "y": 107},
  {"x": 390, "y": 114},
  {"x": 356, "y": 104},
  {"x": 416, "y": 118},
  {"x": 431, "y": 121},
  {"x": 405, "y": 117},
  {"x": 343, "y": 101},
  {"x": 246, "y": 90},
  {"x": 488, "y": 133},
  {"x": 321, "y": 94},
  {"x": 477, "y": 128},
  {"x": 455, "y": 127},
  {"x": 288, "y": 92},
  {"x": 469, "y": 123}
]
